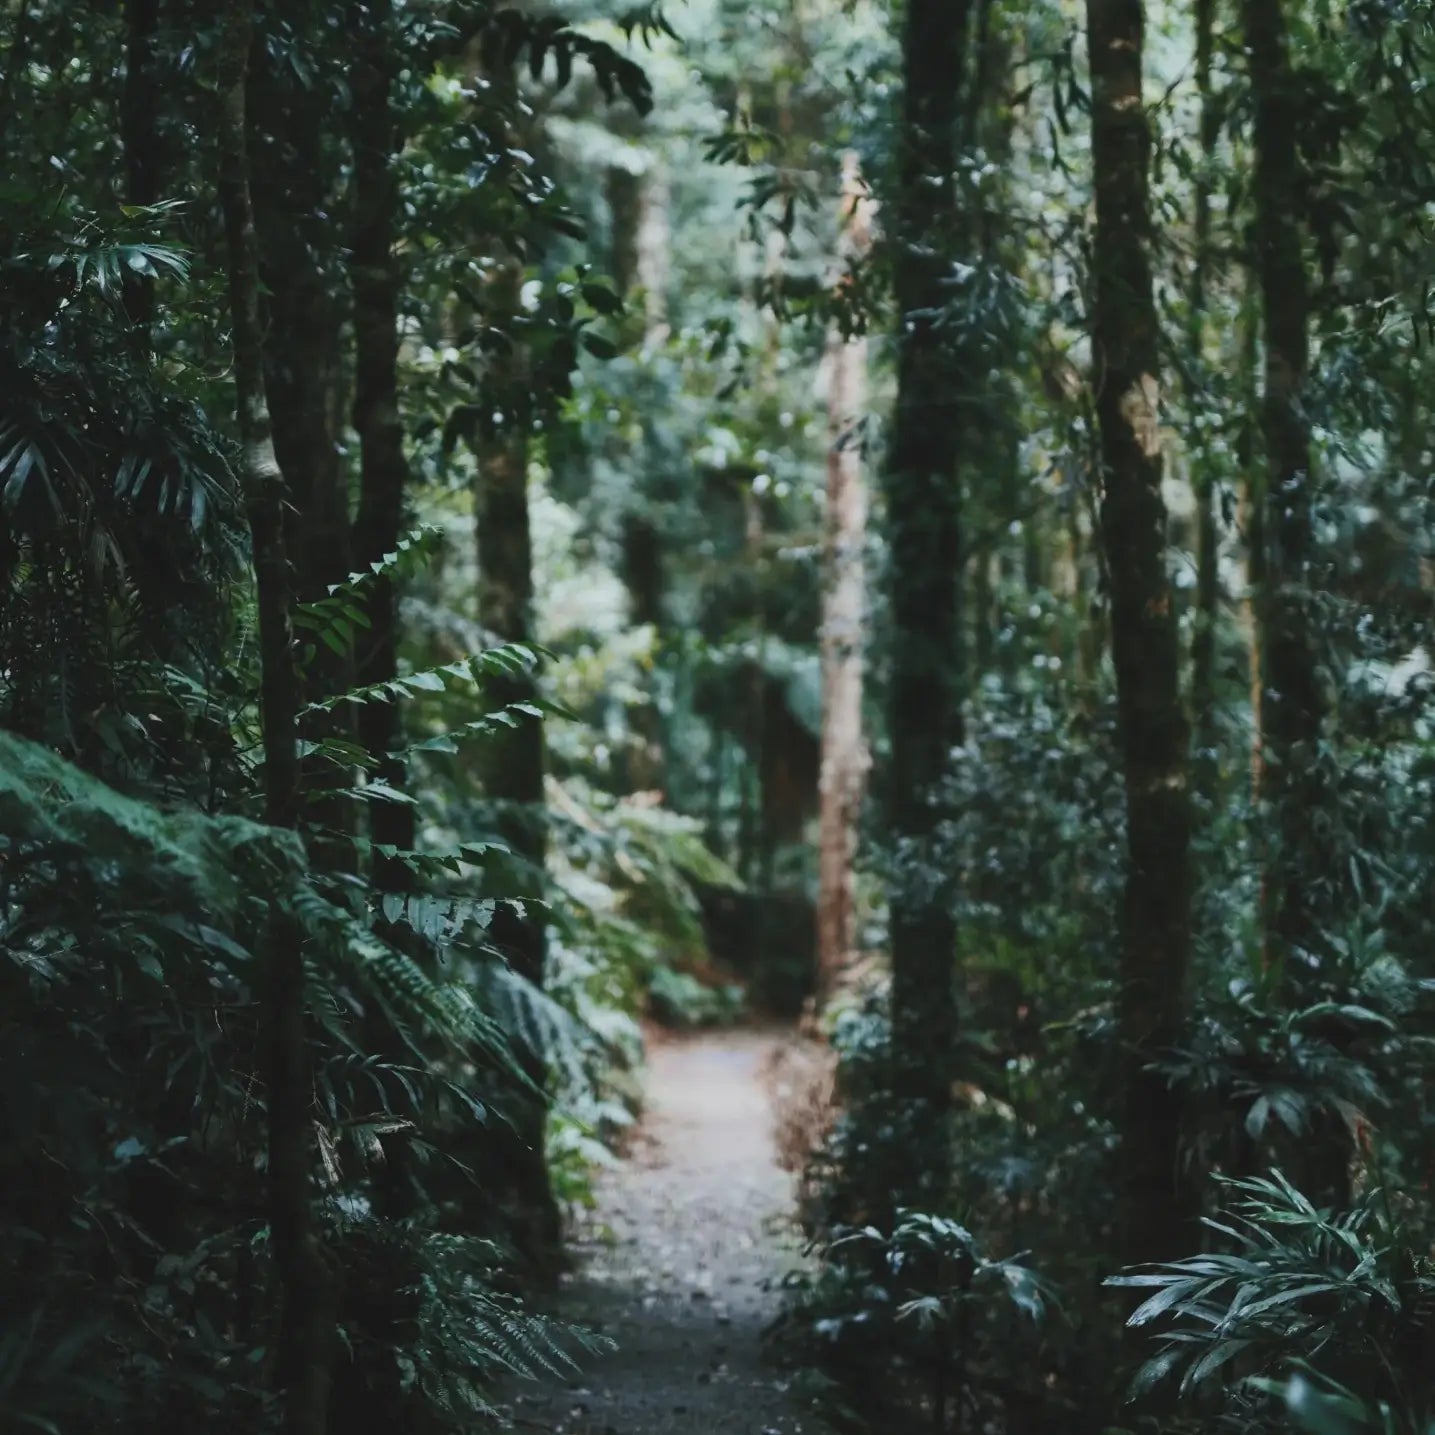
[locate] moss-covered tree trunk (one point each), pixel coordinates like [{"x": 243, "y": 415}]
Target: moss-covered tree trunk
[
  {"x": 305, "y": 1340},
  {"x": 923, "y": 514},
  {"x": 1156, "y": 1193}
]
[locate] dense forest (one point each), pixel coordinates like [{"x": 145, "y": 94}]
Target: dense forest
[{"x": 529, "y": 527}]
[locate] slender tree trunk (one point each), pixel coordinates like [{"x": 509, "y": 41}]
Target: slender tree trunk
[
  {"x": 382, "y": 463},
  {"x": 306, "y": 1327},
  {"x": 1292, "y": 708},
  {"x": 641, "y": 260},
  {"x": 1300, "y": 856},
  {"x": 926, "y": 685},
  {"x": 1253, "y": 524},
  {"x": 299, "y": 248},
  {"x": 513, "y": 763},
  {"x": 1157, "y": 1195},
  {"x": 843, "y": 771},
  {"x": 655, "y": 254},
  {"x": 1206, "y": 765},
  {"x": 299, "y": 264}
]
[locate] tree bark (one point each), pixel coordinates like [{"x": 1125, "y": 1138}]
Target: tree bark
[
  {"x": 1206, "y": 743},
  {"x": 1292, "y": 704},
  {"x": 383, "y": 467},
  {"x": 306, "y": 1328},
  {"x": 843, "y": 771},
  {"x": 1300, "y": 855},
  {"x": 513, "y": 763},
  {"x": 1157, "y": 1195},
  {"x": 926, "y": 684},
  {"x": 300, "y": 268}
]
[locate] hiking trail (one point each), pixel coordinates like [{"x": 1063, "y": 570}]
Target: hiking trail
[{"x": 682, "y": 1261}]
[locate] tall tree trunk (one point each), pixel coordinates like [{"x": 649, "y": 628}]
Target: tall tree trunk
[
  {"x": 843, "y": 771},
  {"x": 1292, "y": 707},
  {"x": 1206, "y": 745},
  {"x": 306, "y": 1327},
  {"x": 641, "y": 261},
  {"x": 1300, "y": 859},
  {"x": 926, "y": 684},
  {"x": 1253, "y": 525},
  {"x": 513, "y": 762},
  {"x": 1156, "y": 1193},
  {"x": 300, "y": 270},
  {"x": 377, "y": 419}
]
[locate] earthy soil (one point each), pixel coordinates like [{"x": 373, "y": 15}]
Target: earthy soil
[{"x": 682, "y": 1262}]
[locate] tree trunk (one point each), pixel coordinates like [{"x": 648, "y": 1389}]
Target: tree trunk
[
  {"x": 1300, "y": 856},
  {"x": 1157, "y": 1195},
  {"x": 299, "y": 266},
  {"x": 926, "y": 684},
  {"x": 843, "y": 771},
  {"x": 1292, "y": 706},
  {"x": 377, "y": 419},
  {"x": 304, "y": 1348},
  {"x": 641, "y": 260},
  {"x": 1206, "y": 765},
  {"x": 513, "y": 762}
]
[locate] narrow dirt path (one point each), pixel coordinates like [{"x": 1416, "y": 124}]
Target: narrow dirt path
[{"x": 682, "y": 1262}]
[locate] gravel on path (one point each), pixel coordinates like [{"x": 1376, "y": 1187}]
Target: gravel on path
[{"x": 681, "y": 1264}]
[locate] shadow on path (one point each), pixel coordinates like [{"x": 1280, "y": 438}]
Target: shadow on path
[{"x": 681, "y": 1263}]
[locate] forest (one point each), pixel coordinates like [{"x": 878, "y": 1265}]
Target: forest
[{"x": 717, "y": 715}]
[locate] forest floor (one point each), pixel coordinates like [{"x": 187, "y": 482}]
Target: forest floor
[{"x": 681, "y": 1263}]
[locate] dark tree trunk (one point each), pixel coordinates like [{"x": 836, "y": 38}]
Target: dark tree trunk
[
  {"x": 513, "y": 762},
  {"x": 1300, "y": 857},
  {"x": 1156, "y": 1193},
  {"x": 1292, "y": 706},
  {"x": 926, "y": 684},
  {"x": 301, "y": 270},
  {"x": 304, "y": 1349},
  {"x": 377, "y": 419}
]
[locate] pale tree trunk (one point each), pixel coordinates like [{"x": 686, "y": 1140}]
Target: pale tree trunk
[
  {"x": 641, "y": 263},
  {"x": 655, "y": 255},
  {"x": 1157, "y": 1194},
  {"x": 304, "y": 1348},
  {"x": 1206, "y": 766},
  {"x": 843, "y": 772}
]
